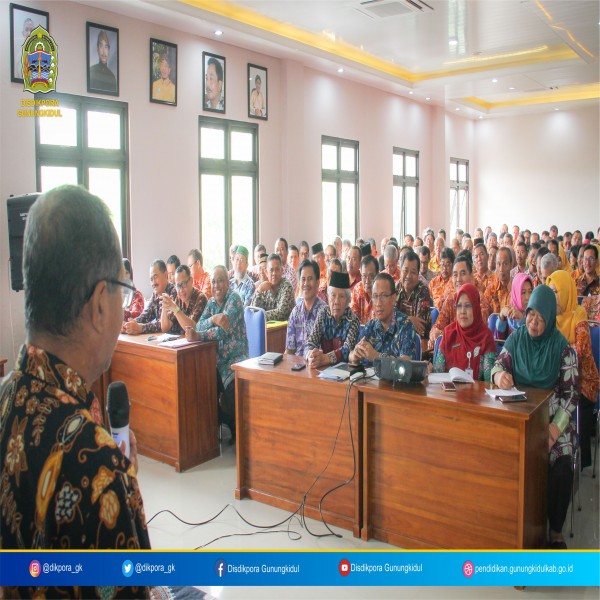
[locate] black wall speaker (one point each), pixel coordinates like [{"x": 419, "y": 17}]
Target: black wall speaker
[{"x": 17, "y": 208}]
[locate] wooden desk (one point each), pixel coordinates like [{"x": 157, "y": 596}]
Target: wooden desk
[
  {"x": 286, "y": 427},
  {"x": 276, "y": 334},
  {"x": 173, "y": 395},
  {"x": 453, "y": 470}
]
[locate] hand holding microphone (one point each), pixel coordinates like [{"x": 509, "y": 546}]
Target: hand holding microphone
[{"x": 117, "y": 407}]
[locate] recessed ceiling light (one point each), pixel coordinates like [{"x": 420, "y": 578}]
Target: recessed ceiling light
[
  {"x": 511, "y": 88},
  {"x": 218, "y": 32},
  {"x": 494, "y": 80},
  {"x": 556, "y": 109},
  {"x": 411, "y": 93},
  {"x": 428, "y": 98},
  {"x": 458, "y": 109},
  {"x": 341, "y": 70},
  {"x": 453, "y": 42}
]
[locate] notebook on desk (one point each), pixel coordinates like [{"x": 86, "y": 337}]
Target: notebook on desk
[{"x": 270, "y": 358}]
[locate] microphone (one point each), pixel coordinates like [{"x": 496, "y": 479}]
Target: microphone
[
  {"x": 400, "y": 370},
  {"x": 117, "y": 408}
]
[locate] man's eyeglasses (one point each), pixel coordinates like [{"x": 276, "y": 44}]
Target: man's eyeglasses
[
  {"x": 381, "y": 297},
  {"x": 182, "y": 284},
  {"x": 368, "y": 277},
  {"x": 127, "y": 291}
]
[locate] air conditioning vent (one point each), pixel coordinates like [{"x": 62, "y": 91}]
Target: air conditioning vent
[{"x": 384, "y": 9}]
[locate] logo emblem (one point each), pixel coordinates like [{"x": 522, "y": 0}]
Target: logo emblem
[
  {"x": 34, "y": 568},
  {"x": 220, "y": 568},
  {"x": 468, "y": 569},
  {"x": 127, "y": 568},
  {"x": 39, "y": 59},
  {"x": 344, "y": 567}
]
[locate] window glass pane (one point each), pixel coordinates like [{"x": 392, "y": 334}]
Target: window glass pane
[
  {"x": 411, "y": 170},
  {"x": 106, "y": 183},
  {"x": 241, "y": 211},
  {"x": 453, "y": 213},
  {"x": 398, "y": 165},
  {"x": 453, "y": 171},
  {"x": 329, "y": 158},
  {"x": 104, "y": 130},
  {"x": 462, "y": 172},
  {"x": 212, "y": 143},
  {"x": 212, "y": 194},
  {"x": 348, "y": 211},
  {"x": 348, "y": 159},
  {"x": 462, "y": 209},
  {"x": 59, "y": 132},
  {"x": 241, "y": 146},
  {"x": 397, "y": 229},
  {"x": 54, "y": 176},
  {"x": 411, "y": 210},
  {"x": 329, "y": 210}
]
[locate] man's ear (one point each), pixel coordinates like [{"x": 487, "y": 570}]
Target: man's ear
[{"x": 98, "y": 306}]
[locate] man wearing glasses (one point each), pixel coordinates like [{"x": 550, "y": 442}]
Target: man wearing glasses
[
  {"x": 65, "y": 482},
  {"x": 361, "y": 302},
  {"x": 186, "y": 310},
  {"x": 390, "y": 333},
  {"x": 149, "y": 320}
]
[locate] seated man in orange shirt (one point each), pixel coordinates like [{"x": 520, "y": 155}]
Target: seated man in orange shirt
[
  {"x": 442, "y": 285},
  {"x": 390, "y": 260},
  {"x": 361, "y": 302},
  {"x": 200, "y": 276},
  {"x": 497, "y": 293}
]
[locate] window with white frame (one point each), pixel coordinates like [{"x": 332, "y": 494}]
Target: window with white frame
[
  {"x": 339, "y": 177},
  {"x": 459, "y": 195},
  {"x": 228, "y": 187},
  {"x": 87, "y": 146},
  {"x": 405, "y": 210}
]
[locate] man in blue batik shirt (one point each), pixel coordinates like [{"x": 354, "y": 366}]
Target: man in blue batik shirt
[{"x": 390, "y": 333}]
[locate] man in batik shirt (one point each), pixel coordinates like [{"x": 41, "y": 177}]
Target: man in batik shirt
[
  {"x": 65, "y": 485},
  {"x": 390, "y": 333},
  {"x": 241, "y": 282},
  {"x": 149, "y": 320},
  {"x": 336, "y": 328},
  {"x": 588, "y": 284},
  {"x": 275, "y": 296},
  {"x": 281, "y": 248},
  {"x": 186, "y": 310},
  {"x": 308, "y": 306},
  {"x": 361, "y": 302},
  {"x": 413, "y": 297},
  {"x": 497, "y": 293}
]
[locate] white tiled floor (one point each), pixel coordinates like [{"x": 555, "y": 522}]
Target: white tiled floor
[{"x": 200, "y": 493}]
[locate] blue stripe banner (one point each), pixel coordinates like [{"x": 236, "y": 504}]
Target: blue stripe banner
[{"x": 308, "y": 568}]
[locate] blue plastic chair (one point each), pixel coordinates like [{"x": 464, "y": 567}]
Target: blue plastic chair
[
  {"x": 256, "y": 330},
  {"x": 418, "y": 346},
  {"x": 435, "y": 313},
  {"x": 492, "y": 320},
  {"x": 579, "y": 299},
  {"x": 436, "y": 347}
]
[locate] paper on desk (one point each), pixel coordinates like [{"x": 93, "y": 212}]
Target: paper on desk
[
  {"x": 177, "y": 343},
  {"x": 512, "y": 392},
  {"x": 167, "y": 337},
  {"x": 333, "y": 374}
]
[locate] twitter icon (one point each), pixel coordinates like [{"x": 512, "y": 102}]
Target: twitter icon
[{"x": 127, "y": 568}]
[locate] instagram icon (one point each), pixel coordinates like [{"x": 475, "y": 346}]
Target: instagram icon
[{"x": 34, "y": 568}]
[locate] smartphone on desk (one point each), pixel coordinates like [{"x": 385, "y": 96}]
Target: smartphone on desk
[
  {"x": 512, "y": 398},
  {"x": 448, "y": 386},
  {"x": 299, "y": 367}
]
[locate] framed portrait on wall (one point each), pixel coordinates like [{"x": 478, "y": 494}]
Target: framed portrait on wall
[
  {"x": 213, "y": 76},
  {"x": 257, "y": 92},
  {"x": 23, "y": 21},
  {"x": 102, "y": 59},
  {"x": 163, "y": 72}
]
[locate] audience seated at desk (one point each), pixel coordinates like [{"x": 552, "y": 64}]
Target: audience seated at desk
[
  {"x": 467, "y": 342},
  {"x": 442, "y": 284},
  {"x": 413, "y": 297},
  {"x": 185, "y": 311},
  {"x": 571, "y": 320},
  {"x": 136, "y": 307},
  {"x": 223, "y": 321},
  {"x": 538, "y": 355},
  {"x": 389, "y": 333},
  {"x": 511, "y": 317},
  {"x": 241, "y": 282},
  {"x": 361, "y": 301},
  {"x": 308, "y": 306},
  {"x": 336, "y": 329},
  {"x": 149, "y": 320},
  {"x": 275, "y": 296}
]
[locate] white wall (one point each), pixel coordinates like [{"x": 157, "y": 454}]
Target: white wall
[
  {"x": 560, "y": 150},
  {"x": 539, "y": 170}
]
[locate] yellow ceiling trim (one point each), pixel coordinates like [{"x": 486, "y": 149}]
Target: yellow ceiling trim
[
  {"x": 345, "y": 51},
  {"x": 583, "y": 92}
]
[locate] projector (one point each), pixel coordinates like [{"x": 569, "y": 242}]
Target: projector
[{"x": 400, "y": 370}]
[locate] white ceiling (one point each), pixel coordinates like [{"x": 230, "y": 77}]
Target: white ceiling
[{"x": 546, "y": 50}]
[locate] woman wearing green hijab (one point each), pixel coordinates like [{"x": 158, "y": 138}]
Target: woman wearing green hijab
[{"x": 538, "y": 355}]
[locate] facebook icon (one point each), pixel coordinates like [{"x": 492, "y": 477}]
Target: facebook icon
[{"x": 220, "y": 568}]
